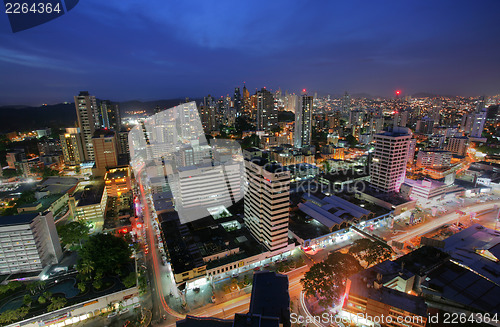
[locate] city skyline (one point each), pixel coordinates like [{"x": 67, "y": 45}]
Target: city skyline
[{"x": 156, "y": 51}]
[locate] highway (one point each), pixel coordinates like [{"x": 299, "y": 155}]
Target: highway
[{"x": 442, "y": 220}]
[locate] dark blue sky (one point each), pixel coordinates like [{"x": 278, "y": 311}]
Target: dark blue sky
[{"x": 135, "y": 49}]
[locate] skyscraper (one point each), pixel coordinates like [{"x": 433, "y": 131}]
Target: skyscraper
[
  {"x": 303, "y": 122},
  {"x": 267, "y": 202},
  {"x": 110, "y": 115},
  {"x": 238, "y": 104},
  {"x": 72, "y": 148},
  {"x": 267, "y": 113},
  {"x": 388, "y": 168},
  {"x": 87, "y": 113},
  {"x": 346, "y": 103},
  {"x": 106, "y": 149},
  {"x": 477, "y": 124}
]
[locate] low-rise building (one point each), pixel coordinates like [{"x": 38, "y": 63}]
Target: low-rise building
[
  {"x": 117, "y": 181},
  {"x": 433, "y": 159},
  {"x": 90, "y": 204}
]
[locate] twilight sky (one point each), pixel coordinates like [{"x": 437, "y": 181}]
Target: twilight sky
[{"x": 135, "y": 49}]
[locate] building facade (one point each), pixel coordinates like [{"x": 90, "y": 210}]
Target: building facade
[
  {"x": 28, "y": 243},
  {"x": 303, "y": 122},
  {"x": 87, "y": 113},
  {"x": 267, "y": 203},
  {"x": 388, "y": 169}
]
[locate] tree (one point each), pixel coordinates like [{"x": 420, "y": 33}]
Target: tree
[
  {"x": 326, "y": 280},
  {"x": 106, "y": 251},
  {"x": 85, "y": 268},
  {"x": 47, "y": 295},
  {"x": 73, "y": 232},
  {"x": 369, "y": 251},
  {"x": 130, "y": 280},
  {"x": 56, "y": 303},
  {"x": 27, "y": 300},
  {"x": 42, "y": 299},
  {"x": 81, "y": 286}
]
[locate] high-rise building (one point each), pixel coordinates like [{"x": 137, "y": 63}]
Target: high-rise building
[
  {"x": 303, "y": 122},
  {"x": 477, "y": 124},
  {"x": 458, "y": 145},
  {"x": 110, "y": 115},
  {"x": 267, "y": 113},
  {"x": 48, "y": 146},
  {"x": 238, "y": 104},
  {"x": 401, "y": 118},
  {"x": 72, "y": 148},
  {"x": 87, "y": 113},
  {"x": 123, "y": 147},
  {"x": 346, "y": 104},
  {"x": 106, "y": 149},
  {"x": 29, "y": 242},
  {"x": 388, "y": 168},
  {"x": 267, "y": 202},
  {"x": 433, "y": 159}
]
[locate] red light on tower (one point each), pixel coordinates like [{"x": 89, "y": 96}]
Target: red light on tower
[
  {"x": 398, "y": 92},
  {"x": 304, "y": 90}
]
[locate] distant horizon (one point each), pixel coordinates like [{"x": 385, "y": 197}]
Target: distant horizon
[
  {"x": 152, "y": 50},
  {"x": 355, "y": 94}
]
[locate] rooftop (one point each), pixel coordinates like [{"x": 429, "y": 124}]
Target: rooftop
[
  {"x": 92, "y": 194},
  {"x": 23, "y": 219}
]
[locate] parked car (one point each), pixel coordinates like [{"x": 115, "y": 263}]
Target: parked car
[
  {"x": 112, "y": 314},
  {"x": 234, "y": 275},
  {"x": 124, "y": 311}
]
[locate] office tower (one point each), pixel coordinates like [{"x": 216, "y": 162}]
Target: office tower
[
  {"x": 425, "y": 126},
  {"x": 267, "y": 202},
  {"x": 291, "y": 102},
  {"x": 346, "y": 104},
  {"x": 209, "y": 114},
  {"x": 29, "y": 243},
  {"x": 388, "y": 168},
  {"x": 303, "y": 120},
  {"x": 400, "y": 118},
  {"x": 436, "y": 115},
  {"x": 334, "y": 120},
  {"x": 238, "y": 104},
  {"x": 356, "y": 118},
  {"x": 106, "y": 149},
  {"x": 411, "y": 151},
  {"x": 110, "y": 115},
  {"x": 376, "y": 125},
  {"x": 87, "y": 113},
  {"x": 47, "y": 146},
  {"x": 458, "y": 145},
  {"x": 72, "y": 147},
  {"x": 477, "y": 124},
  {"x": 267, "y": 113},
  {"x": 123, "y": 147}
]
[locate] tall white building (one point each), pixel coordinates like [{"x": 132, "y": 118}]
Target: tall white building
[
  {"x": 87, "y": 113},
  {"x": 28, "y": 243},
  {"x": 303, "y": 122},
  {"x": 204, "y": 189},
  {"x": 388, "y": 168},
  {"x": 267, "y": 203},
  {"x": 477, "y": 124}
]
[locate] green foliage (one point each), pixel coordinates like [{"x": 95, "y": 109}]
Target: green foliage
[
  {"x": 73, "y": 232},
  {"x": 27, "y": 300},
  {"x": 36, "y": 287},
  {"x": 47, "y": 295},
  {"x": 326, "y": 280},
  {"x": 12, "y": 286},
  {"x": 81, "y": 286},
  {"x": 130, "y": 280},
  {"x": 13, "y": 315},
  {"x": 369, "y": 251},
  {"x": 250, "y": 141},
  {"x": 56, "y": 303},
  {"x": 103, "y": 254},
  {"x": 97, "y": 283},
  {"x": 42, "y": 299}
]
